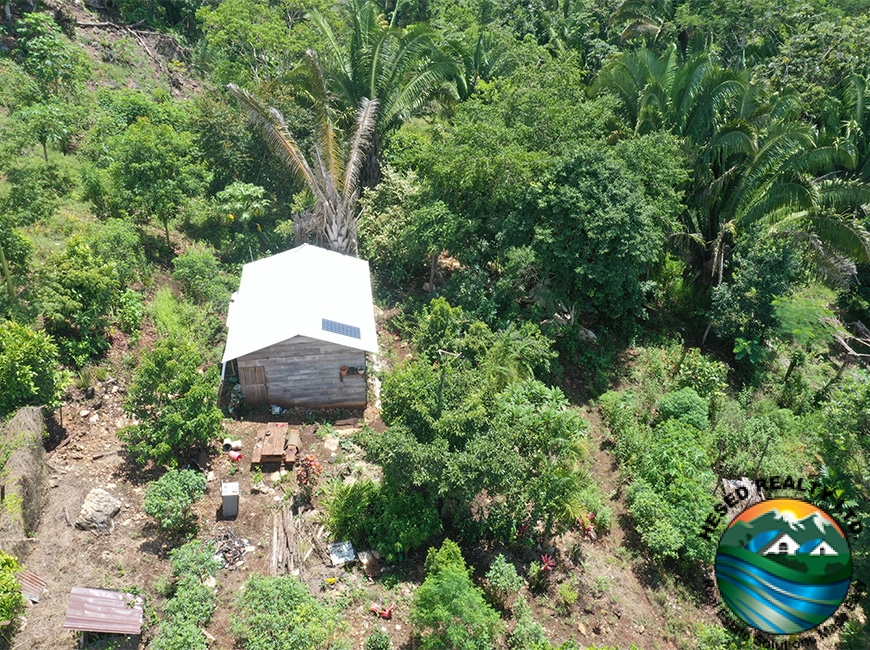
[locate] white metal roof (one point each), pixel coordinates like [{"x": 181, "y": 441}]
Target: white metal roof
[{"x": 293, "y": 293}]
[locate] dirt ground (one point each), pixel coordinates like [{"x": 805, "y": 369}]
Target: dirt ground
[{"x": 621, "y": 599}]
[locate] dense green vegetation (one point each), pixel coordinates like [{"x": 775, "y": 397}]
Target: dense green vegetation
[{"x": 658, "y": 209}]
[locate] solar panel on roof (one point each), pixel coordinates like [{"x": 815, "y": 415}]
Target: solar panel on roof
[{"x": 340, "y": 328}]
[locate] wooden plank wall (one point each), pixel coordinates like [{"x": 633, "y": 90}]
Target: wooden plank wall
[{"x": 305, "y": 372}]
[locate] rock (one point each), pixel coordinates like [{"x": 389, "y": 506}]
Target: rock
[
  {"x": 209, "y": 477},
  {"x": 97, "y": 512},
  {"x": 582, "y": 629},
  {"x": 641, "y": 630},
  {"x": 275, "y": 477},
  {"x": 210, "y": 582},
  {"x": 261, "y": 488},
  {"x": 331, "y": 443},
  {"x": 84, "y": 413}
]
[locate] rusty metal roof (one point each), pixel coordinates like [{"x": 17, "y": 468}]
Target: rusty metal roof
[
  {"x": 103, "y": 610},
  {"x": 31, "y": 585}
]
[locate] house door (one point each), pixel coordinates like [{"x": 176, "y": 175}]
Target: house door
[{"x": 253, "y": 380}]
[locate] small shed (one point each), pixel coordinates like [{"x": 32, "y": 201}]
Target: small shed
[
  {"x": 103, "y": 612},
  {"x": 299, "y": 328}
]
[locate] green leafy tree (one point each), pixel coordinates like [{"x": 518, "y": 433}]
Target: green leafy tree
[
  {"x": 29, "y": 368},
  {"x": 503, "y": 580},
  {"x": 77, "y": 294},
  {"x": 15, "y": 250},
  {"x": 449, "y": 610},
  {"x": 57, "y": 65},
  {"x": 50, "y": 123},
  {"x": 280, "y": 612},
  {"x": 155, "y": 169},
  {"x": 170, "y": 499},
  {"x": 175, "y": 403}
]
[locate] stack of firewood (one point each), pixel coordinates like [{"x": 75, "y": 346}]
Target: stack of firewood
[{"x": 294, "y": 541}]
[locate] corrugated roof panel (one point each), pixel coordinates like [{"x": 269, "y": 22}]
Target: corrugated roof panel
[
  {"x": 31, "y": 585},
  {"x": 103, "y": 610}
]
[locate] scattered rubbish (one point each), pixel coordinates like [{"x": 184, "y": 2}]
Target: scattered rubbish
[
  {"x": 341, "y": 553},
  {"x": 228, "y": 444},
  {"x": 235, "y": 456},
  {"x": 277, "y": 410},
  {"x": 370, "y": 564},
  {"x": 32, "y": 586},
  {"x": 230, "y": 548},
  {"x": 385, "y": 613}
]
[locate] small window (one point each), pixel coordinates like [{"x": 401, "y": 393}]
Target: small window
[
  {"x": 340, "y": 328},
  {"x": 783, "y": 547}
]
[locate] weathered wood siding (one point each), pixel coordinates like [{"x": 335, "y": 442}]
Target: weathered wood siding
[{"x": 305, "y": 372}]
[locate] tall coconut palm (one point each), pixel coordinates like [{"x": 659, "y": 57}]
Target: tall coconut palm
[
  {"x": 402, "y": 69},
  {"x": 330, "y": 172}
]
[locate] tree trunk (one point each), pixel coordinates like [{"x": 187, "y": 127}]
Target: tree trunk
[
  {"x": 432, "y": 272},
  {"x": 166, "y": 231},
  {"x": 371, "y": 167},
  {"x": 44, "y": 151},
  {"x": 6, "y": 274}
]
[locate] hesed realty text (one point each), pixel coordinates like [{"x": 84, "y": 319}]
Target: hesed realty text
[{"x": 813, "y": 488}]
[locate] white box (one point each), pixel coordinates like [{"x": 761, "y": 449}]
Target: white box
[{"x": 230, "y": 494}]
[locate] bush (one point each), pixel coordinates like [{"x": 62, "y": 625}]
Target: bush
[
  {"x": 379, "y": 641},
  {"x": 502, "y": 580},
  {"x": 194, "y": 558},
  {"x": 684, "y": 405},
  {"x": 528, "y": 634},
  {"x": 129, "y": 311},
  {"x": 35, "y": 187},
  {"x": 706, "y": 376},
  {"x": 199, "y": 273},
  {"x": 79, "y": 290},
  {"x": 174, "y": 402},
  {"x": 170, "y": 498},
  {"x": 375, "y": 516},
  {"x": 119, "y": 241},
  {"x": 11, "y": 600},
  {"x": 29, "y": 370},
  {"x": 448, "y": 607},
  {"x": 281, "y": 613},
  {"x": 193, "y": 602}
]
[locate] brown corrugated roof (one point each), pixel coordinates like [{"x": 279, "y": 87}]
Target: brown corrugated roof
[
  {"x": 31, "y": 585},
  {"x": 103, "y": 610}
]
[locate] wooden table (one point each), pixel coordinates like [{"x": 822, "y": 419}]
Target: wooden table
[{"x": 271, "y": 444}]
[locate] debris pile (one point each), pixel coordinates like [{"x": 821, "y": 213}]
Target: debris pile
[
  {"x": 230, "y": 548},
  {"x": 293, "y": 543}
]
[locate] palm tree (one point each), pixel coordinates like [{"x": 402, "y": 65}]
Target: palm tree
[
  {"x": 755, "y": 165},
  {"x": 333, "y": 179},
  {"x": 402, "y": 69}
]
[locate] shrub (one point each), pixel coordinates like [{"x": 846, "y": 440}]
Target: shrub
[
  {"x": 375, "y": 516},
  {"x": 79, "y": 290},
  {"x": 170, "y": 498},
  {"x": 706, "y": 376},
  {"x": 281, "y": 613},
  {"x": 29, "y": 369},
  {"x": 503, "y": 580},
  {"x": 448, "y": 607},
  {"x": 199, "y": 273},
  {"x": 528, "y": 634},
  {"x": 379, "y": 641},
  {"x": 174, "y": 401},
  {"x": 11, "y": 600},
  {"x": 685, "y": 405},
  {"x": 129, "y": 311},
  {"x": 119, "y": 241},
  {"x": 194, "y": 558}
]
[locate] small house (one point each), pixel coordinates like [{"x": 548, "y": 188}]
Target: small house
[
  {"x": 299, "y": 328},
  {"x": 782, "y": 545},
  {"x": 824, "y": 549}
]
